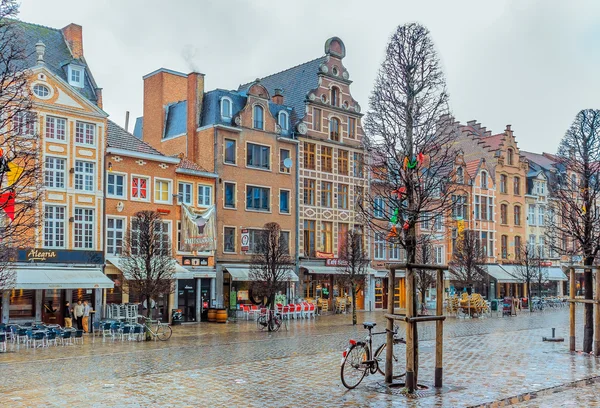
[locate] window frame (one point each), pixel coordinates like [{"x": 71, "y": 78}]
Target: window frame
[
  {"x": 510, "y": 156},
  {"x": 503, "y": 183},
  {"x": 225, "y": 161},
  {"x": 119, "y": 174},
  {"x": 72, "y": 69},
  {"x": 327, "y": 236},
  {"x": 55, "y": 173},
  {"x": 343, "y": 162},
  {"x": 24, "y": 123},
  {"x": 326, "y": 158},
  {"x": 309, "y": 231},
  {"x": 87, "y": 228},
  {"x": 203, "y": 187},
  {"x": 268, "y": 190},
  {"x": 379, "y": 246},
  {"x": 250, "y": 150},
  {"x": 517, "y": 215},
  {"x": 517, "y": 185},
  {"x": 310, "y": 156},
  {"x": 224, "y": 115},
  {"x": 484, "y": 181},
  {"x": 337, "y": 135},
  {"x": 183, "y": 194},
  {"x": 53, "y": 137},
  {"x": 326, "y": 193},
  {"x": 85, "y": 176},
  {"x": 228, "y": 227},
  {"x": 282, "y": 168},
  {"x": 148, "y": 189},
  {"x": 283, "y": 124},
  {"x": 86, "y": 126},
  {"x": 351, "y": 127},
  {"x": 317, "y": 119},
  {"x": 289, "y": 203},
  {"x": 309, "y": 191},
  {"x": 59, "y": 227},
  {"x": 343, "y": 196},
  {"x": 108, "y": 229},
  {"x": 234, "y": 184},
  {"x": 169, "y": 182},
  {"x": 255, "y": 123},
  {"x": 335, "y": 96},
  {"x": 503, "y": 214}
]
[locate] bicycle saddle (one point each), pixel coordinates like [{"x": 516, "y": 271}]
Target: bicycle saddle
[{"x": 369, "y": 325}]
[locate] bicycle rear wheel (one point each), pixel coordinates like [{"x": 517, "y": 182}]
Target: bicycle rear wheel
[
  {"x": 398, "y": 366},
  {"x": 164, "y": 332},
  {"x": 353, "y": 369}
]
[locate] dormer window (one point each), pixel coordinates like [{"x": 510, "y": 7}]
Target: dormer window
[
  {"x": 258, "y": 117},
  {"x": 484, "y": 180},
  {"x": 225, "y": 108},
  {"x": 460, "y": 176},
  {"x": 282, "y": 119},
  {"x": 76, "y": 76}
]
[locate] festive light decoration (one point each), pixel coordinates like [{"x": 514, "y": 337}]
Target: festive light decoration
[
  {"x": 13, "y": 173},
  {"x": 7, "y": 203},
  {"x": 394, "y": 217},
  {"x": 400, "y": 191},
  {"x": 406, "y": 226},
  {"x": 393, "y": 233}
]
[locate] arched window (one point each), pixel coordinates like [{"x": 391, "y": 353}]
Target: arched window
[
  {"x": 573, "y": 182},
  {"x": 225, "y": 108},
  {"x": 517, "y": 185},
  {"x": 335, "y": 96},
  {"x": 282, "y": 119},
  {"x": 334, "y": 129},
  {"x": 484, "y": 179},
  {"x": 258, "y": 117},
  {"x": 517, "y": 215},
  {"x": 503, "y": 214},
  {"x": 460, "y": 176},
  {"x": 509, "y": 157}
]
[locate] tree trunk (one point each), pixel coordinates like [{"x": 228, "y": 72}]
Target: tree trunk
[
  {"x": 148, "y": 317},
  {"x": 270, "y": 311},
  {"x": 588, "y": 328},
  {"x": 353, "y": 304},
  {"x": 529, "y": 297}
]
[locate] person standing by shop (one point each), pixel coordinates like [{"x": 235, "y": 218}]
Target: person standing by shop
[
  {"x": 86, "y": 316},
  {"x": 78, "y": 314},
  {"x": 68, "y": 315}
]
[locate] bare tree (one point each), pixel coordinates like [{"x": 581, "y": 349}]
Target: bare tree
[
  {"x": 424, "y": 278},
  {"x": 20, "y": 169},
  {"x": 529, "y": 268},
  {"x": 147, "y": 261},
  {"x": 270, "y": 266},
  {"x": 468, "y": 261},
  {"x": 354, "y": 265},
  {"x": 575, "y": 213},
  {"x": 541, "y": 278},
  {"x": 412, "y": 155}
]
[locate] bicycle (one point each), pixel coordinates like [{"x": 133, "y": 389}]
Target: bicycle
[
  {"x": 276, "y": 322},
  {"x": 357, "y": 360},
  {"x": 162, "y": 331}
]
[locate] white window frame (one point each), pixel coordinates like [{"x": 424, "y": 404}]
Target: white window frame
[
  {"x": 124, "y": 175},
  {"x": 289, "y": 201},
  {"x": 169, "y": 235},
  {"x": 148, "y": 187},
  {"x": 378, "y": 207},
  {"x": 439, "y": 254},
  {"x": 531, "y": 219},
  {"x": 182, "y": 194},
  {"x": 283, "y": 123},
  {"x": 257, "y": 167},
  {"x": 226, "y": 115},
  {"x": 81, "y": 71},
  {"x": 84, "y": 177},
  {"x": 235, "y": 144},
  {"x": 58, "y": 224},
  {"x": 202, "y": 201},
  {"x": 262, "y": 127},
  {"x": 54, "y": 173},
  {"x": 86, "y": 126},
  {"x": 379, "y": 247},
  {"x": 115, "y": 230},
  {"x": 169, "y": 182},
  {"x": 24, "y": 126},
  {"x": 394, "y": 251},
  {"x": 86, "y": 240},
  {"x": 54, "y": 136},
  {"x": 541, "y": 215}
]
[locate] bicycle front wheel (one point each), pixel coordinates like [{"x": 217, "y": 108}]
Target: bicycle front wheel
[
  {"x": 353, "y": 368},
  {"x": 164, "y": 332},
  {"x": 398, "y": 368}
]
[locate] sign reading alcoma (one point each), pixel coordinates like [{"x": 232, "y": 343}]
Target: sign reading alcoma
[{"x": 198, "y": 229}]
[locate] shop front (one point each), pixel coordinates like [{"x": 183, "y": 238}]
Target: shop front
[
  {"x": 503, "y": 282},
  {"x": 380, "y": 286},
  {"x": 195, "y": 288},
  {"x": 45, "y": 279},
  {"x": 325, "y": 283},
  {"x": 237, "y": 286}
]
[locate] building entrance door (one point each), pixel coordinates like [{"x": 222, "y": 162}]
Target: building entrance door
[
  {"x": 52, "y": 305},
  {"x": 186, "y": 289},
  {"x": 205, "y": 297}
]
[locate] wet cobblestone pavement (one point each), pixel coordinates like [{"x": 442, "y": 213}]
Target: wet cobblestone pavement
[{"x": 494, "y": 362}]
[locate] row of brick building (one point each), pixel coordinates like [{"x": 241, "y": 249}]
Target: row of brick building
[{"x": 285, "y": 148}]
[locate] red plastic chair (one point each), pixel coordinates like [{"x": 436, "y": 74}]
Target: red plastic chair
[
  {"x": 285, "y": 312},
  {"x": 246, "y": 311},
  {"x": 299, "y": 309}
]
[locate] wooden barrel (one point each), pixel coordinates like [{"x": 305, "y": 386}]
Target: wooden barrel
[
  {"x": 221, "y": 315},
  {"x": 212, "y": 315}
]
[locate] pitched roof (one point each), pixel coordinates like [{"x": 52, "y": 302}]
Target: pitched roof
[
  {"x": 296, "y": 83},
  {"x": 186, "y": 164},
  {"x": 472, "y": 168},
  {"x": 119, "y": 138},
  {"x": 494, "y": 141},
  {"x": 175, "y": 119},
  {"x": 541, "y": 160},
  {"x": 57, "y": 55}
]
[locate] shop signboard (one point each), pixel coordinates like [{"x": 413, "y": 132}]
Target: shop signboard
[
  {"x": 245, "y": 240},
  {"x": 325, "y": 255},
  {"x": 43, "y": 255},
  {"x": 194, "y": 261},
  {"x": 546, "y": 263},
  {"x": 336, "y": 262}
]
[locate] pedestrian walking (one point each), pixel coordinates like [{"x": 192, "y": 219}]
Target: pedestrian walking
[
  {"x": 68, "y": 315},
  {"x": 86, "y": 316},
  {"x": 78, "y": 314}
]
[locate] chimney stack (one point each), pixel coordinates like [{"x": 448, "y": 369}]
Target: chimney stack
[
  {"x": 278, "y": 97},
  {"x": 127, "y": 121},
  {"x": 73, "y": 33},
  {"x": 195, "y": 97}
]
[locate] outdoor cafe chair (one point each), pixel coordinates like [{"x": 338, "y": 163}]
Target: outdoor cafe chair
[
  {"x": 246, "y": 311},
  {"x": 78, "y": 336},
  {"x": 254, "y": 311},
  {"x": 3, "y": 341},
  {"x": 137, "y": 332},
  {"x": 66, "y": 337},
  {"x": 124, "y": 331},
  {"x": 50, "y": 337},
  {"x": 21, "y": 335}
]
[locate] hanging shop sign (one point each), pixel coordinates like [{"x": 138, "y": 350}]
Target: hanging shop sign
[
  {"x": 245, "y": 240},
  {"x": 198, "y": 229},
  {"x": 325, "y": 255},
  {"x": 194, "y": 261}
]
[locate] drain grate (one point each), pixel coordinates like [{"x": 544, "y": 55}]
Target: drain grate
[{"x": 398, "y": 388}]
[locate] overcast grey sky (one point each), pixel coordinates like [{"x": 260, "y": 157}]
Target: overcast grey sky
[{"x": 532, "y": 64}]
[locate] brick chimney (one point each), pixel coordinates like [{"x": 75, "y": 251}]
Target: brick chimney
[
  {"x": 99, "y": 97},
  {"x": 278, "y": 97},
  {"x": 195, "y": 97},
  {"x": 74, "y": 37},
  {"x": 161, "y": 88}
]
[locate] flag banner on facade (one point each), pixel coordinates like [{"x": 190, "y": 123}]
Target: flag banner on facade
[{"x": 198, "y": 229}]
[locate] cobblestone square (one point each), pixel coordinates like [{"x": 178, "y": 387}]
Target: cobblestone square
[{"x": 494, "y": 361}]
